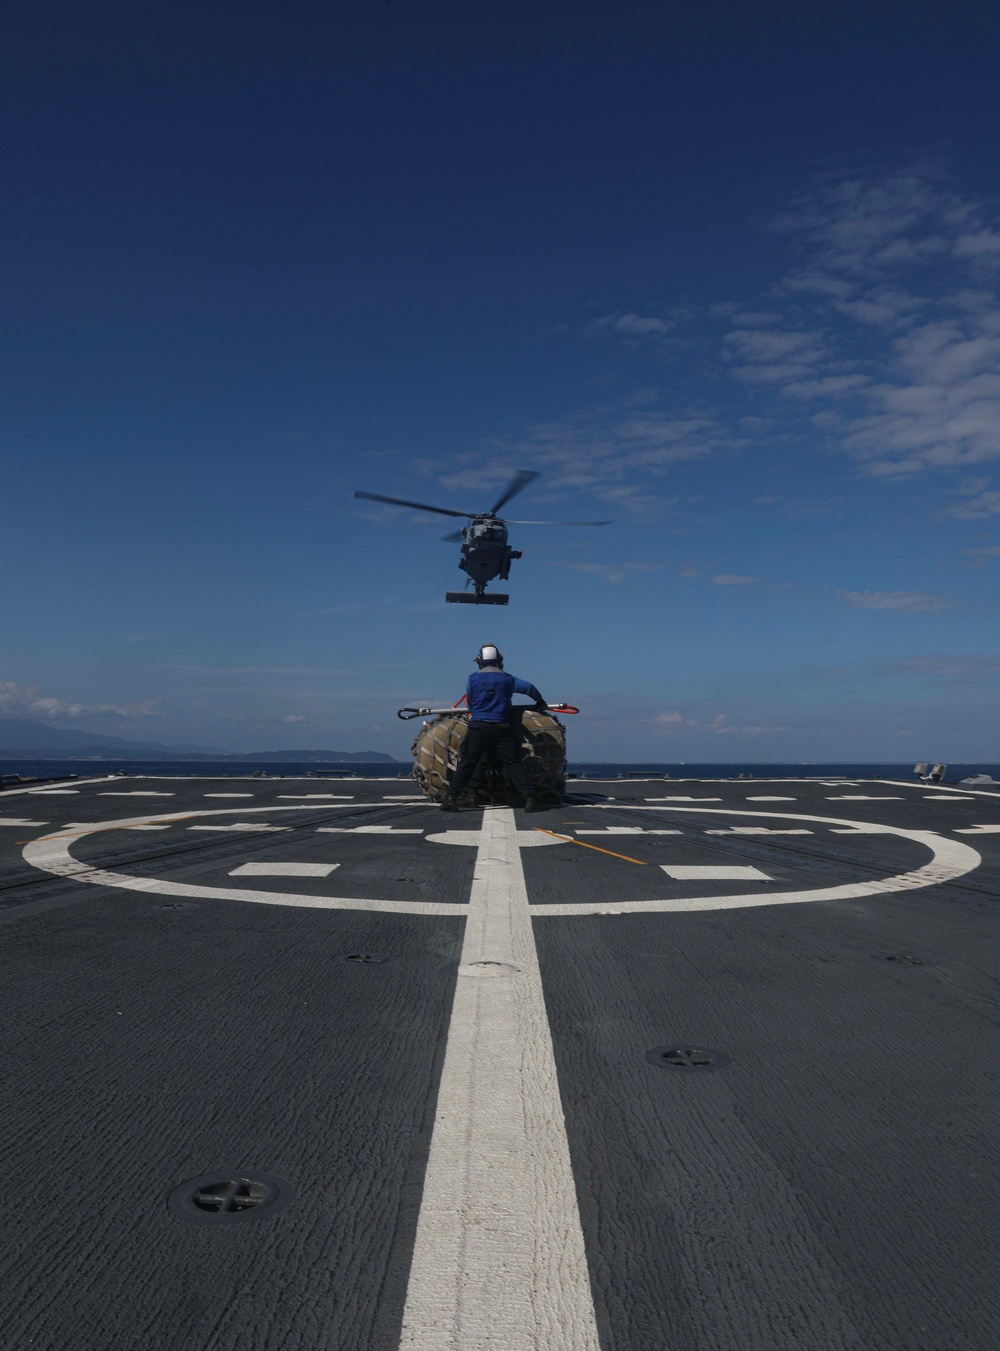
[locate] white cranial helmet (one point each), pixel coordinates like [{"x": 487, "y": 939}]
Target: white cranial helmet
[{"x": 489, "y": 655}]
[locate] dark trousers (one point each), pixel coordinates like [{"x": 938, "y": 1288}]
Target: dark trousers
[{"x": 483, "y": 742}]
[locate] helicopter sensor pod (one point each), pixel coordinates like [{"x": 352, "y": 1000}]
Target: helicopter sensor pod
[{"x": 485, "y": 552}]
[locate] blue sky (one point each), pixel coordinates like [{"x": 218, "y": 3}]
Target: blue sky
[{"x": 730, "y": 280}]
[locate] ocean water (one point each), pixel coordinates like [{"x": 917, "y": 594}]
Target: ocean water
[{"x": 223, "y": 769}]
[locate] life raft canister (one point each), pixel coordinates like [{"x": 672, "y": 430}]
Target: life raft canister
[{"x": 543, "y": 754}]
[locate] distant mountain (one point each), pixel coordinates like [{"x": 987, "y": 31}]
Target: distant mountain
[
  {"x": 22, "y": 735},
  {"x": 21, "y": 739}
]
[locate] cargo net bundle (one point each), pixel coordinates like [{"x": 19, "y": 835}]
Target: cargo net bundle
[{"x": 543, "y": 754}]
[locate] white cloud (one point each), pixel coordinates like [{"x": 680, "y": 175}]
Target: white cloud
[
  {"x": 962, "y": 667},
  {"x": 981, "y": 501},
  {"x": 757, "y": 318},
  {"x": 720, "y": 725},
  {"x": 767, "y": 357},
  {"x": 882, "y": 307},
  {"x": 27, "y": 701},
  {"x": 882, "y": 341},
  {"x": 632, "y": 325},
  {"x": 610, "y": 572},
  {"x": 734, "y": 579},
  {"x": 889, "y": 320},
  {"x": 263, "y": 720},
  {"x": 852, "y": 224},
  {"x": 910, "y": 602},
  {"x": 982, "y": 244},
  {"x": 668, "y": 723},
  {"x": 613, "y": 452},
  {"x": 639, "y": 325},
  {"x": 983, "y": 556},
  {"x": 826, "y": 387}
]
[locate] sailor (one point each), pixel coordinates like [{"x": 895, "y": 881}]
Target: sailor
[{"x": 491, "y": 727}]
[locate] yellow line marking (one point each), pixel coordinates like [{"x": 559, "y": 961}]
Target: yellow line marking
[{"x": 569, "y": 840}]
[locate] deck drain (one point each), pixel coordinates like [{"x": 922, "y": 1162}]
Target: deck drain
[
  {"x": 177, "y": 905},
  {"x": 687, "y": 1058},
  {"x": 227, "y": 1197},
  {"x": 364, "y": 958},
  {"x": 489, "y": 969},
  {"x": 904, "y": 959}
]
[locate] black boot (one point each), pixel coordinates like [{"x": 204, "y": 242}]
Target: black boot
[{"x": 449, "y": 804}]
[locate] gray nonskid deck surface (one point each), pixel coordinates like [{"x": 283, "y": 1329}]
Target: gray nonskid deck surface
[{"x": 834, "y": 1186}]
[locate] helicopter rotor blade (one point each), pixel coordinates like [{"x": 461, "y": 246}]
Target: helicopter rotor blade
[
  {"x": 454, "y": 538},
  {"x": 557, "y": 522},
  {"x": 517, "y": 484},
  {"x": 417, "y": 506}
]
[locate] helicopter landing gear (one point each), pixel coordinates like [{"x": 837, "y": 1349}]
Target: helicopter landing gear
[{"x": 464, "y": 598}]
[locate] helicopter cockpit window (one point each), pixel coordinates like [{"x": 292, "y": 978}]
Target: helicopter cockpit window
[{"x": 485, "y": 530}]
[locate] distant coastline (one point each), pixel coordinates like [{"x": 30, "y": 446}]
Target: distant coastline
[
  {"x": 106, "y": 754},
  {"x": 23, "y": 739}
]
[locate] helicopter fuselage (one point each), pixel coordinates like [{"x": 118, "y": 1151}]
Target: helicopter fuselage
[{"x": 485, "y": 551}]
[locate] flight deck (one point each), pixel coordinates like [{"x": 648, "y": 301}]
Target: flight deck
[{"x": 309, "y": 1065}]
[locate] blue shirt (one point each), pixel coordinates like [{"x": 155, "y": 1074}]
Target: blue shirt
[{"x": 489, "y": 695}]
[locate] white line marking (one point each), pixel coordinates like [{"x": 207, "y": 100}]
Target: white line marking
[
  {"x": 240, "y": 825},
  {"x": 626, "y": 830},
  {"x": 54, "y": 792},
  {"x": 978, "y": 830},
  {"x": 10, "y": 792},
  {"x": 862, "y": 828},
  {"x": 51, "y": 854},
  {"x": 499, "y": 1259},
  {"x": 137, "y": 792},
  {"x": 527, "y": 839},
  {"x": 345, "y": 797},
  {"x": 403, "y": 797},
  {"x": 756, "y": 830},
  {"x": 945, "y": 790},
  {"x": 284, "y": 870},
  {"x": 367, "y": 830},
  {"x": 16, "y": 821},
  {"x": 710, "y": 872},
  {"x": 166, "y": 827},
  {"x": 946, "y": 797},
  {"x": 227, "y": 795},
  {"x": 682, "y": 799},
  {"x": 862, "y": 797},
  {"x": 771, "y": 799},
  {"x": 949, "y": 859}
]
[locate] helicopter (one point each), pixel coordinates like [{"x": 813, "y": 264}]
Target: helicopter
[{"x": 485, "y": 551}]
